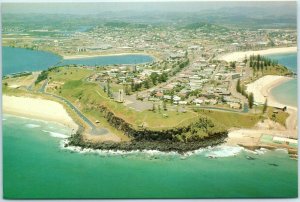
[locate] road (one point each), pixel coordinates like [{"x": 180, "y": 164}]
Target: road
[
  {"x": 222, "y": 109},
  {"x": 94, "y": 129}
]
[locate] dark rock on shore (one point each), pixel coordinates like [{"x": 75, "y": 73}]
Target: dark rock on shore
[
  {"x": 165, "y": 145},
  {"x": 199, "y": 134}
]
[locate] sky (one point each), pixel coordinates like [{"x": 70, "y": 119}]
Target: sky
[
  {"x": 126, "y": 0},
  {"x": 94, "y": 8}
]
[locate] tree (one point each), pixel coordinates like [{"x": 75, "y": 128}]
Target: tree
[
  {"x": 42, "y": 76},
  {"x": 245, "y": 60},
  {"x": 132, "y": 85},
  {"x": 250, "y": 100},
  {"x": 238, "y": 86},
  {"x": 265, "y": 106},
  {"x": 153, "y": 107},
  {"x": 232, "y": 64},
  {"x": 146, "y": 84},
  {"x": 165, "y": 105},
  {"x": 109, "y": 93},
  {"x": 154, "y": 77},
  {"x": 163, "y": 77},
  {"x": 127, "y": 89},
  {"x": 261, "y": 66}
]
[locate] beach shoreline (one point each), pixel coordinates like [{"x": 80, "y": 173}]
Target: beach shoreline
[
  {"x": 261, "y": 89},
  {"x": 37, "y": 108},
  {"x": 239, "y": 56},
  {"x": 70, "y": 57},
  {"x": 252, "y": 138}
]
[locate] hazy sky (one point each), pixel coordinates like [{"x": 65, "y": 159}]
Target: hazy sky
[{"x": 94, "y": 8}]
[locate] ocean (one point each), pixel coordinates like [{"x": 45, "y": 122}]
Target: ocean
[
  {"x": 20, "y": 59},
  {"x": 286, "y": 93},
  {"x": 36, "y": 165}
]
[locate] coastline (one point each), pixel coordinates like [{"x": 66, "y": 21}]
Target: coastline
[
  {"x": 261, "y": 90},
  {"x": 70, "y": 57},
  {"x": 238, "y": 56},
  {"x": 262, "y": 87},
  {"x": 38, "y": 108},
  {"x": 253, "y": 138}
]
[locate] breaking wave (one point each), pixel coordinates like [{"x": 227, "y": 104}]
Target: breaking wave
[
  {"x": 30, "y": 125},
  {"x": 221, "y": 151},
  {"x": 54, "y": 134}
]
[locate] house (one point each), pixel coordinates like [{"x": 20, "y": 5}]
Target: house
[
  {"x": 176, "y": 98},
  {"x": 182, "y": 102},
  {"x": 159, "y": 94},
  {"x": 234, "y": 105},
  {"x": 198, "y": 101},
  {"x": 167, "y": 97}
]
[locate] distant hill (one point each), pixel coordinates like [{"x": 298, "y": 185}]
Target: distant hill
[{"x": 206, "y": 27}]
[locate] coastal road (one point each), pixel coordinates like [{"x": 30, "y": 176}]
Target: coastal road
[
  {"x": 245, "y": 110},
  {"x": 94, "y": 129}
]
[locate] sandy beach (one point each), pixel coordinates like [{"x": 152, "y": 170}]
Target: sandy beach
[
  {"x": 69, "y": 57},
  {"x": 239, "y": 56},
  {"x": 261, "y": 90},
  {"x": 251, "y": 138},
  {"x": 37, "y": 108},
  {"x": 262, "y": 87}
]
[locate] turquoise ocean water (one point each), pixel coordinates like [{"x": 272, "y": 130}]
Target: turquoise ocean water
[
  {"x": 37, "y": 166},
  {"x": 20, "y": 59},
  {"x": 286, "y": 93}
]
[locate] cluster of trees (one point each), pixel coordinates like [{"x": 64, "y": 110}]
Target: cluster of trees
[
  {"x": 156, "y": 78},
  {"x": 42, "y": 76},
  {"x": 107, "y": 88},
  {"x": 242, "y": 89},
  {"x": 20, "y": 74},
  {"x": 258, "y": 62},
  {"x": 158, "y": 108},
  {"x": 180, "y": 66},
  {"x": 202, "y": 128},
  {"x": 152, "y": 80}
]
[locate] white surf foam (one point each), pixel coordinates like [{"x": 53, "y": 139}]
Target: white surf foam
[
  {"x": 30, "y": 125},
  {"x": 209, "y": 152},
  {"x": 113, "y": 152},
  {"x": 223, "y": 151},
  {"x": 54, "y": 134},
  {"x": 282, "y": 150}
]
